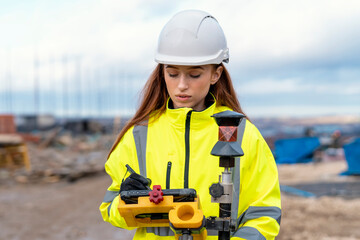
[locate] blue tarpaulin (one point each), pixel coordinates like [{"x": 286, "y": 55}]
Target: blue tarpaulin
[
  {"x": 296, "y": 191},
  {"x": 352, "y": 156},
  {"x": 296, "y": 150}
]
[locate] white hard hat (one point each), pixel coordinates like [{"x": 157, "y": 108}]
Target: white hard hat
[{"x": 192, "y": 37}]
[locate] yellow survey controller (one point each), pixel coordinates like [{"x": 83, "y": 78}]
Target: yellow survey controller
[{"x": 177, "y": 208}]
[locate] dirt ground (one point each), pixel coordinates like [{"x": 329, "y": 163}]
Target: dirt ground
[
  {"x": 326, "y": 217},
  {"x": 56, "y": 211},
  {"x": 66, "y": 210}
]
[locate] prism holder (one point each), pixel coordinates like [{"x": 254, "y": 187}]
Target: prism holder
[{"x": 227, "y": 147}]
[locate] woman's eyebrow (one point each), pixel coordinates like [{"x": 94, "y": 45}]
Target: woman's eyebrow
[
  {"x": 192, "y": 67},
  {"x": 168, "y": 66},
  {"x": 196, "y": 67}
]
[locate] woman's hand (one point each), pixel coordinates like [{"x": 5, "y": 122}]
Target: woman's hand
[{"x": 135, "y": 182}]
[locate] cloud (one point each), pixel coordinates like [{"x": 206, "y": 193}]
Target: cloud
[
  {"x": 277, "y": 48},
  {"x": 299, "y": 110},
  {"x": 271, "y": 86},
  {"x": 297, "y": 85},
  {"x": 267, "y": 36},
  {"x": 261, "y": 34}
]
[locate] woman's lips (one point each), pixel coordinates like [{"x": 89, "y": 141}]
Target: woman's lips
[{"x": 183, "y": 97}]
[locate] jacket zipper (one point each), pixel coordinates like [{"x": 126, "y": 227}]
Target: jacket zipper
[
  {"x": 187, "y": 149},
  {"x": 168, "y": 170}
]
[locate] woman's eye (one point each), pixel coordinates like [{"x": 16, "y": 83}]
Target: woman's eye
[
  {"x": 195, "y": 76},
  {"x": 172, "y": 75}
]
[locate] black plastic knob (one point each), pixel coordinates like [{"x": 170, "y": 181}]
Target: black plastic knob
[{"x": 216, "y": 190}]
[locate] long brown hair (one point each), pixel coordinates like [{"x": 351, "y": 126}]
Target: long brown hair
[{"x": 155, "y": 96}]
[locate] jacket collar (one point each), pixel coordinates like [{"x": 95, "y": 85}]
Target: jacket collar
[{"x": 177, "y": 116}]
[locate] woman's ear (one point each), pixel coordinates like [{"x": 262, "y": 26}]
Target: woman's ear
[{"x": 216, "y": 75}]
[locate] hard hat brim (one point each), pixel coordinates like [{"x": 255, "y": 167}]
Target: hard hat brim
[{"x": 221, "y": 56}]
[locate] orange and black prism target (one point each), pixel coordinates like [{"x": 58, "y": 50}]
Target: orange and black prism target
[
  {"x": 228, "y": 133},
  {"x": 227, "y": 145}
]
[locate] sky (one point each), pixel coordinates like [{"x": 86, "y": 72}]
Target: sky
[{"x": 92, "y": 58}]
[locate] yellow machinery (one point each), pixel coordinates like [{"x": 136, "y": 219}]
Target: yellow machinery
[
  {"x": 14, "y": 156},
  {"x": 13, "y": 149}
]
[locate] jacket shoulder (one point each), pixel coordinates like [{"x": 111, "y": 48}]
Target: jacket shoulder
[
  {"x": 221, "y": 109},
  {"x": 253, "y": 139},
  {"x": 252, "y": 130},
  {"x": 126, "y": 140}
]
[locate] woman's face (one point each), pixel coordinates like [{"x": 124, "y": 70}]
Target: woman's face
[{"x": 189, "y": 85}]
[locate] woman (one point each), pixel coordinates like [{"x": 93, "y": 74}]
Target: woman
[{"x": 173, "y": 128}]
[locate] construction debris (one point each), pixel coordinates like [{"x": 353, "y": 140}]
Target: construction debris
[
  {"x": 61, "y": 156},
  {"x": 49, "y": 137}
]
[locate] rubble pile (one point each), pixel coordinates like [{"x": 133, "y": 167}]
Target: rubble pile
[{"x": 62, "y": 156}]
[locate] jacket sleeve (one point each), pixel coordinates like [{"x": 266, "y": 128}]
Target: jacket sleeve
[
  {"x": 124, "y": 153},
  {"x": 259, "y": 210}
]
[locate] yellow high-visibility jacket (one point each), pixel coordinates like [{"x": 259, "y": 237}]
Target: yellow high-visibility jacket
[{"x": 186, "y": 138}]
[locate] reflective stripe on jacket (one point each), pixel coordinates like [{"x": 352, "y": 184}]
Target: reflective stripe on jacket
[{"x": 185, "y": 138}]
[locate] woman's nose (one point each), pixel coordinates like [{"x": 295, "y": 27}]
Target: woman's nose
[{"x": 183, "y": 84}]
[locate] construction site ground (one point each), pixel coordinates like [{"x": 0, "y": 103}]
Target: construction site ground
[{"x": 65, "y": 209}]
